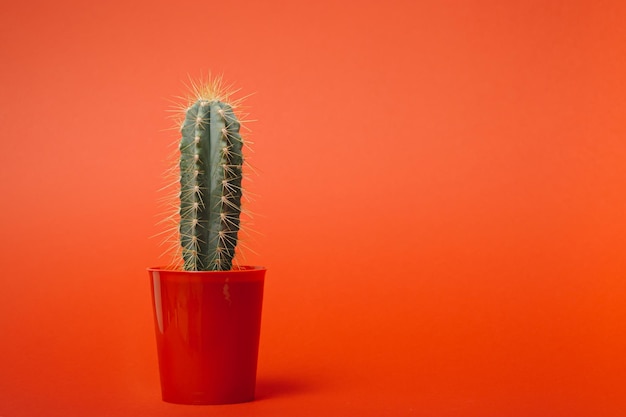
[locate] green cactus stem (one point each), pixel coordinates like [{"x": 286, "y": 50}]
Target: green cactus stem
[{"x": 210, "y": 185}]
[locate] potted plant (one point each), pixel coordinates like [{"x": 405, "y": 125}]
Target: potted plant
[{"x": 207, "y": 309}]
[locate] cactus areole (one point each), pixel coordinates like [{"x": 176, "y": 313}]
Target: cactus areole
[{"x": 210, "y": 185}]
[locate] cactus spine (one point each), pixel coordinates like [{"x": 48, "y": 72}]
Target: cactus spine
[{"x": 210, "y": 182}]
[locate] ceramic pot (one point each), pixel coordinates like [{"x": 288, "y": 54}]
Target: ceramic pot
[{"x": 207, "y": 326}]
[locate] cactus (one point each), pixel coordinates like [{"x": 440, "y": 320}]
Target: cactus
[{"x": 210, "y": 181}]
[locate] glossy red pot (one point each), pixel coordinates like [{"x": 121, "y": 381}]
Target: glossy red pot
[{"x": 207, "y": 327}]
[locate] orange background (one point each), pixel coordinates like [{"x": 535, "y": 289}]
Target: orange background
[{"x": 441, "y": 197}]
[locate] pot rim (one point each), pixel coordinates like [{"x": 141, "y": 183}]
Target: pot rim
[{"x": 241, "y": 274}]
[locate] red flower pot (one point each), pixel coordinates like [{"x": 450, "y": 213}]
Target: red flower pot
[{"x": 207, "y": 327}]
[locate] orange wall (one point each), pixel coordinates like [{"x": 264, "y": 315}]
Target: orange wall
[{"x": 440, "y": 200}]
